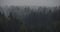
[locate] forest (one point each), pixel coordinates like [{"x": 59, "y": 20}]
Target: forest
[{"x": 27, "y": 19}]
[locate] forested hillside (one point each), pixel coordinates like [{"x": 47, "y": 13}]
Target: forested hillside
[{"x": 27, "y": 19}]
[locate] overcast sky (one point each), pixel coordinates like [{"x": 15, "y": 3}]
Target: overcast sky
[{"x": 30, "y": 2}]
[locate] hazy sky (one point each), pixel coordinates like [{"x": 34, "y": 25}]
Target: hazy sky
[{"x": 30, "y": 2}]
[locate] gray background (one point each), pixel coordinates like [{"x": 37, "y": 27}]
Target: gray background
[{"x": 30, "y": 2}]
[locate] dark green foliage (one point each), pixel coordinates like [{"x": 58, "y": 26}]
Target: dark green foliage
[
  {"x": 41, "y": 20},
  {"x": 11, "y": 23}
]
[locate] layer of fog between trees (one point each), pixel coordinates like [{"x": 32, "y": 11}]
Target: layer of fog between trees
[{"x": 34, "y": 17}]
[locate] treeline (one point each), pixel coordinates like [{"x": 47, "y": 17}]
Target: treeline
[
  {"x": 43, "y": 22},
  {"x": 25, "y": 19},
  {"x": 23, "y": 11}
]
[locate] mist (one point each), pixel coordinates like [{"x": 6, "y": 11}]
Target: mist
[{"x": 30, "y": 2}]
